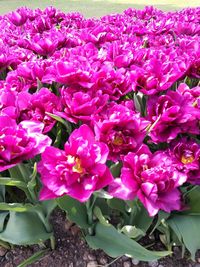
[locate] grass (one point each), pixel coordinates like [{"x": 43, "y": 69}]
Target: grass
[{"x": 93, "y": 8}]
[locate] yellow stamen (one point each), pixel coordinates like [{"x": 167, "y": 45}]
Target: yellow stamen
[
  {"x": 77, "y": 167},
  {"x": 186, "y": 160},
  {"x": 118, "y": 141},
  {"x": 195, "y": 104}
]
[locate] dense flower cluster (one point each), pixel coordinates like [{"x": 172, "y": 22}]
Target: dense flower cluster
[{"x": 125, "y": 84}]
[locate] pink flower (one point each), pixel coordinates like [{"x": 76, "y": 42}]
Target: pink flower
[
  {"x": 194, "y": 70},
  {"x": 80, "y": 105},
  {"x": 186, "y": 156},
  {"x": 20, "y": 142},
  {"x": 7, "y": 102},
  {"x": 34, "y": 107},
  {"x": 192, "y": 93},
  {"x": 18, "y": 17},
  {"x": 158, "y": 75},
  {"x": 122, "y": 129},
  {"x": 152, "y": 178},
  {"x": 43, "y": 46},
  {"x": 71, "y": 73},
  {"x": 78, "y": 170},
  {"x": 172, "y": 114}
]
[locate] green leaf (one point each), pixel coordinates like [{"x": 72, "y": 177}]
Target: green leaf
[
  {"x": 35, "y": 257},
  {"x": 2, "y": 193},
  {"x": 3, "y": 216},
  {"x": 76, "y": 210},
  {"x": 58, "y": 139},
  {"x": 102, "y": 194},
  {"x": 18, "y": 207},
  {"x": 15, "y": 173},
  {"x": 132, "y": 231},
  {"x": 33, "y": 183},
  {"x": 193, "y": 202},
  {"x": 24, "y": 228},
  {"x": 141, "y": 217},
  {"x": 49, "y": 206},
  {"x": 117, "y": 204},
  {"x": 138, "y": 102},
  {"x": 116, "y": 169},
  {"x": 39, "y": 85},
  {"x": 100, "y": 217},
  {"x": 187, "y": 230},
  {"x": 61, "y": 120},
  {"x": 117, "y": 244},
  {"x": 162, "y": 216},
  {"x": 4, "y": 244},
  {"x": 12, "y": 182},
  {"x": 102, "y": 203}
]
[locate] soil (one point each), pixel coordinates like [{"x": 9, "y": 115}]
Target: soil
[{"x": 72, "y": 251}]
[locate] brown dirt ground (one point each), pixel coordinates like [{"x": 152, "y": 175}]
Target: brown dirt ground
[{"x": 72, "y": 251}]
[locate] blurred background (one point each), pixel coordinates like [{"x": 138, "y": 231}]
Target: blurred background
[{"x": 96, "y": 8}]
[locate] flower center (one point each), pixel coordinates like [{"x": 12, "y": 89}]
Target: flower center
[
  {"x": 77, "y": 167},
  {"x": 195, "y": 104},
  {"x": 145, "y": 167},
  {"x": 76, "y": 162},
  {"x": 118, "y": 141},
  {"x": 185, "y": 159}
]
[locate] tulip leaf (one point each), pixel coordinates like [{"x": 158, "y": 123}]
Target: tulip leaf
[
  {"x": 49, "y": 206},
  {"x": 116, "y": 244},
  {"x": 24, "y": 228},
  {"x": 75, "y": 210},
  {"x": 12, "y": 182},
  {"x": 98, "y": 213},
  {"x": 141, "y": 218},
  {"x": 116, "y": 169},
  {"x": 3, "y": 216},
  {"x": 2, "y": 193},
  {"x": 102, "y": 194},
  {"x": 162, "y": 216},
  {"x": 193, "y": 198},
  {"x": 61, "y": 120},
  {"x": 187, "y": 230},
  {"x": 132, "y": 231},
  {"x": 117, "y": 204},
  {"x": 18, "y": 207},
  {"x": 35, "y": 257}
]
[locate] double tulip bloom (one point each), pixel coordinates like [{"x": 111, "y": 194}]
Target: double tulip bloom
[{"x": 130, "y": 81}]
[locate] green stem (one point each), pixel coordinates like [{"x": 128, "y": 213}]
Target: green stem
[
  {"x": 48, "y": 227},
  {"x": 4, "y": 244},
  {"x": 53, "y": 242},
  {"x": 89, "y": 206},
  {"x": 189, "y": 191},
  {"x": 23, "y": 172},
  {"x": 132, "y": 214},
  {"x": 33, "y": 196}
]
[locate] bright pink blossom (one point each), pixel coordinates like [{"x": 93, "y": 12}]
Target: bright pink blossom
[
  {"x": 78, "y": 170},
  {"x": 80, "y": 105},
  {"x": 185, "y": 154},
  {"x": 20, "y": 142},
  {"x": 18, "y": 17},
  {"x": 34, "y": 107},
  {"x": 172, "y": 114},
  {"x": 122, "y": 129},
  {"x": 152, "y": 178}
]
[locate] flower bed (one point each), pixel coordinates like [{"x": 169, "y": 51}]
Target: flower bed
[{"x": 102, "y": 118}]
